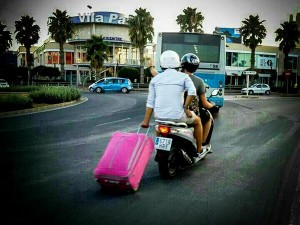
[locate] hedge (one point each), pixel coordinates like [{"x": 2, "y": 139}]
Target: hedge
[
  {"x": 37, "y": 94},
  {"x": 13, "y": 102},
  {"x": 52, "y": 95}
]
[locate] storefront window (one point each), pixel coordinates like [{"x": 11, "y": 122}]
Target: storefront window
[
  {"x": 235, "y": 58},
  {"x": 238, "y": 59},
  {"x": 266, "y": 62},
  {"x": 69, "y": 57},
  {"x": 244, "y": 60},
  {"x": 292, "y": 62},
  {"x": 52, "y": 57},
  {"x": 228, "y": 58}
]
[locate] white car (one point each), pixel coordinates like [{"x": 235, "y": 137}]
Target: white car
[
  {"x": 257, "y": 89},
  {"x": 3, "y": 83}
]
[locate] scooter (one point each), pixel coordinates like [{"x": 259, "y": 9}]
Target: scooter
[{"x": 176, "y": 147}]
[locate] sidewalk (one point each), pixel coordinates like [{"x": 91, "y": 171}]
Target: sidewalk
[{"x": 235, "y": 95}]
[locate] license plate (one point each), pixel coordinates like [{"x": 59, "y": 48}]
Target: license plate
[{"x": 163, "y": 143}]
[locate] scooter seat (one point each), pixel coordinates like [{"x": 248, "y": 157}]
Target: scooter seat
[{"x": 172, "y": 123}]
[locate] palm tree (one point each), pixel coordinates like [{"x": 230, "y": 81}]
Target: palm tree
[
  {"x": 27, "y": 34},
  {"x": 61, "y": 29},
  {"x": 140, "y": 31},
  {"x": 97, "y": 51},
  {"x": 190, "y": 21},
  {"x": 288, "y": 36},
  {"x": 5, "y": 39},
  {"x": 253, "y": 32}
]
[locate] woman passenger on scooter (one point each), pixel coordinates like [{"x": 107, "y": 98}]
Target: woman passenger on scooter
[{"x": 189, "y": 64}]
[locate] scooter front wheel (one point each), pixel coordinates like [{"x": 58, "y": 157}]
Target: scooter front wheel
[{"x": 168, "y": 167}]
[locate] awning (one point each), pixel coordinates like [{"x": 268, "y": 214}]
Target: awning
[
  {"x": 264, "y": 75},
  {"x": 233, "y": 72}
]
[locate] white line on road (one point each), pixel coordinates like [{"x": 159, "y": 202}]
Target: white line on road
[
  {"x": 83, "y": 162},
  {"x": 116, "y": 121}
]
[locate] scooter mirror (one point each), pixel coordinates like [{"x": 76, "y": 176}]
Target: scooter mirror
[{"x": 214, "y": 93}]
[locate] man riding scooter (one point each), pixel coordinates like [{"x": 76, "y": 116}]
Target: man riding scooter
[
  {"x": 165, "y": 97},
  {"x": 190, "y": 63}
]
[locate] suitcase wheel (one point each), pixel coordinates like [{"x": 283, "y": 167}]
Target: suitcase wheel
[{"x": 135, "y": 189}]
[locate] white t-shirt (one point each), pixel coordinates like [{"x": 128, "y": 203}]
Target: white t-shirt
[{"x": 166, "y": 92}]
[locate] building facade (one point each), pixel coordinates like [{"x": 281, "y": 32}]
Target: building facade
[
  {"x": 122, "y": 53},
  {"x": 113, "y": 28},
  {"x": 269, "y": 61}
]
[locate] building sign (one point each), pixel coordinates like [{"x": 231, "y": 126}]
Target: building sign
[
  {"x": 232, "y": 34},
  {"x": 266, "y": 62},
  {"x": 112, "y": 38},
  {"x": 100, "y": 17},
  {"x": 249, "y": 72}
]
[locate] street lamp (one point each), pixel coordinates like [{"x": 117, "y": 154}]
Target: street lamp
[
  {"x": 90, "y": 7},
  {"x": 91, "y": 29}
]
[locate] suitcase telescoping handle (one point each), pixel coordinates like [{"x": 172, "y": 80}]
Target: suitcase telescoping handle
[{"x": 148, "y": 128}]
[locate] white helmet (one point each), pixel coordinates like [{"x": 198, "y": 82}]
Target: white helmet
[{"x": 169, "y": 59}]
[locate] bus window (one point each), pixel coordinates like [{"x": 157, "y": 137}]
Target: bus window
[{"x": 210, "y": 48}]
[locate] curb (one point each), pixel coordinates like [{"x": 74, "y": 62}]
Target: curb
[
  {"x": 246, "y": 96},
  {"x": 43, "y": 108}
]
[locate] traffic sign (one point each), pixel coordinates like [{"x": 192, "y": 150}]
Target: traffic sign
[
  {"x": 249, "y": 72},
  {"x": 287, "y": 74}
]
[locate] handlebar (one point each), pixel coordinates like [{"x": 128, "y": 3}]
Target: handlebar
[{"x": 214, "y": 109}]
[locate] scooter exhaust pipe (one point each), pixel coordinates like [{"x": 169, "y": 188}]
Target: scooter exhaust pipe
[{"x": 186, "y": 157}]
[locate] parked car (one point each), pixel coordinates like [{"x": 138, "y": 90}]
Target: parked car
[
  {"x": 257, "y": 89},
  {"x": 3, "y": 83},
  {"x": 115, "y": 84}
]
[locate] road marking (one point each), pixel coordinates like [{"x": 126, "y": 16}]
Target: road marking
[
  {"x": 83, "y": 162},
  {"x": 116, "y": 121}
]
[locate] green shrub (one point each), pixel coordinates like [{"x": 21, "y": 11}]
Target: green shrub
[
  {"x": 20, "y": 89},
  {"x": 53, "y": 95},
  {"x": 37, "y": 94},
  {"x": 131, "y": 73},
  {"x": 14, "y": 102}
]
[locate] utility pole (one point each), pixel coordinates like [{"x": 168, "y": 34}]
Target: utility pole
[{"x": 91, "y": 29}]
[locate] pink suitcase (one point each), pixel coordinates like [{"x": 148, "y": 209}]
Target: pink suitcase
[{"x": 124, "y": 160}]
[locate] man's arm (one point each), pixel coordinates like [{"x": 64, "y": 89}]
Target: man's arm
[
  {"x": 191, "y": 93},
  {"x": 189, "y": 86},
  {"x": 206, "y": 104},
  {"x": 188, "y": 101},
  {"x": 153, "y": 71},
  {"x": 149, "y": 106},
  {"x": 148, "y": 114}
]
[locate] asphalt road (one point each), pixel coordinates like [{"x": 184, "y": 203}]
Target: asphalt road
[{"x": 47, "y": 161}]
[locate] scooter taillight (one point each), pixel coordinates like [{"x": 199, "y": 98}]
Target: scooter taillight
[{"x": 164, "y": 129}]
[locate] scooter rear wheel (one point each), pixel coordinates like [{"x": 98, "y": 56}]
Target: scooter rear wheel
[{"x": 168, "y": 168}]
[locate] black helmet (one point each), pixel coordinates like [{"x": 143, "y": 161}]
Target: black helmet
[{"x": 190, "y": 62}]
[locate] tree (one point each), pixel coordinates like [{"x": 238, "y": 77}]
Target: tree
[
  {"x": 190, "y": 20},
  {"x": 130, "y": 73},
  {"x": 22, "y": 73},
  {"x": 5, "y": 39},
  {"x": 288, "y": 36},
  {"x": 61, "y": 29},
  {"x": 97, "y": 51},
  {"x": 27, "y": 34},
  {"x": 253, "y": 32},
  {"x": 140, "y": 31},
  {"x": 45, "y": 71}
]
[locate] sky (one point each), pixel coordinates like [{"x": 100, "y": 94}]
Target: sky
[{"x": 217, "y": 13}]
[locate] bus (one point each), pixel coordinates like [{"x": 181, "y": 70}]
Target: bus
[{"x": 210, "y": 48}]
